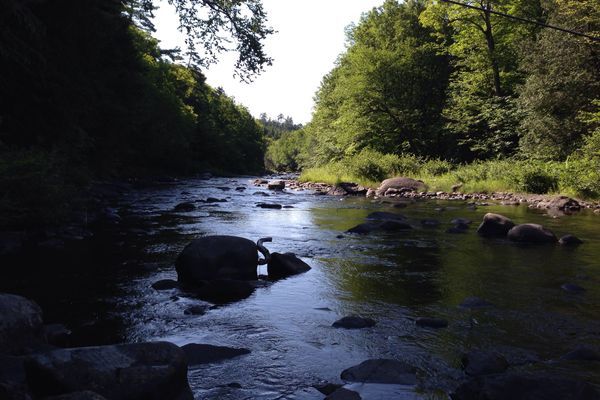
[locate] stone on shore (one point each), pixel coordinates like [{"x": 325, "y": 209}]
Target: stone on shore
[
  {"x": 137, "y": 371},
  {"x": 354, "y": 322},
  {"x": 562, "y": 203},
  {"x": 21, "y": 325},
  {"x": 284, "y": 265},
  {"x": 401, "y": 184},
  {"x": 197, "y": 354},
  {"x": 531, "y": 233},
  {"x": 495, "y": 225},
  {"x": 381, "y": 371}
]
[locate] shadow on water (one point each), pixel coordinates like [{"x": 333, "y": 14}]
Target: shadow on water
[{"x": 101, "y": 290}]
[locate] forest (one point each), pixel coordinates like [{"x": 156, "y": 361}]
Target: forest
[
  {"x": 86, "y": 93},
  {"x": 457, "y": 95}
]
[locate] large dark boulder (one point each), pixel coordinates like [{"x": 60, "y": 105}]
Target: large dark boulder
[
  {"x": 401, "y": 184},
  {"x": 138, "y": 371},
  {"x": 381, "y": 371},
  {"x": 21, "y": 325},
  {"x": 531, "y": 233},
  {"x": 525, "y": 386},
  {"x": 217, "y": 257},
  {"x": 495, "y": 225},
  {"x": 221, "y": 291},
  {"x": 283, "y": 265}
]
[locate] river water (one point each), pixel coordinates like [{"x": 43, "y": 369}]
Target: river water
[{"x": 103, "y": 290}]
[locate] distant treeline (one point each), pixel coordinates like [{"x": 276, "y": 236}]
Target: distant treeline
[
  {"x": 436, "y": 81},
  {"x": 86, "y": 93}
]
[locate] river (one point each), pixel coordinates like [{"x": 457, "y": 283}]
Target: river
[{"x": 102, "y": 291}]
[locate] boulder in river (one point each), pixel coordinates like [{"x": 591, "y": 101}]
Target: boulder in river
[
  {"x": 525, "y": 386},
  {"x": 197, "y": 354},
  {"x": 284, "y": 265},
  {"x": 217, "y": 257},
  {"x": 276, "y": 185},
  {"x": 570, "y": 241},
  {"x": 165, "y": 284},
  {"x": 401, "y": 184},
  {"x": 354, "y": 322},
  {"x": 184, "y": 207},
  {"x": 343, "y": 394},
  {"x": 270, "y": 206},
  {"x": 137, "y": 371},
  {"x": 531, "y": 233},
  {"x": 381, "y": 371},
  {"x": 21, "y": 325},
  {"x": 495, "y": 225},
  {"x": 221, "y": 291}
]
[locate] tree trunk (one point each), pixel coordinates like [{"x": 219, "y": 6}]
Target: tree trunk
[{"x": 489, "y": 37}]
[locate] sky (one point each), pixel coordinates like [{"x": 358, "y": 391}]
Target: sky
[{"x": 310, "y": 36}]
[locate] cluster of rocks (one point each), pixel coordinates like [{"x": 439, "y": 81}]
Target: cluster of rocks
[
  {"x": 223, "y": 269},
  {"x": 32, "y": 366}
]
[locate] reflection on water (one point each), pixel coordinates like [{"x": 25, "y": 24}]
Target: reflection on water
[{"x": 393, "y": 278}]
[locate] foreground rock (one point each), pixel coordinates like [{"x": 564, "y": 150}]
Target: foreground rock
[
  {"x": 531, "y": 233},
  {"x": 381, "y": 371},
  {"x": 217, "y": 257},
  {"x": 284, "y": 265},
  {"x": 197, "y": 354},
  {"x": 401, "y": 184},
  {"x": 276, "y": 185},
  {"x": 138, "y": 371},
  {"x": 495, "y": 225},
  {"x": 343, "y": 394},
  {"x": 570, "y": 241},
  {"x": 21, "y": 325},
  {"x": 481, "y": 362},
  {"x": 354, "y": 322},
  {"x": 525, "y": 386}
]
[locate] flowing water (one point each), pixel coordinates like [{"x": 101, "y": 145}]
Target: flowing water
[{"x": 103, "y": 290}]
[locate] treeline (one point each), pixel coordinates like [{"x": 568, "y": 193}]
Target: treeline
[
  {"x": 87, "y": 93},
  {"x": 428, "y": 80}
]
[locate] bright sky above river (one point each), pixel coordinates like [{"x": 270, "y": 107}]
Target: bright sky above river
[{"x": 310, "y": 36}]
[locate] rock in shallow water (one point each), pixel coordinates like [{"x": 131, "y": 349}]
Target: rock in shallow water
[
  {"x": 494, "y": 225},
  {"x": 381, "y": 371},
  {"x": 386, "y": 216},
  {"x": 582, "y": 353},
  {"x": 354, "y": 322},
  {"x": 381, "y": 226},
  {"x": 197, "y": 354},
  {"x": 165, "y": 284},
  {"x": 138, "y": 371},
  {"x": 21, "y": 325},
  {"x": 431, "y": 322},
  {"x": 84, "y": 395},
  {"x": 284, "y": 265},
  {"x": 572, "y": 288},
  {"x": 570, "y": 240},
  {"x": 531, "y": 233},
  {"x": 344, "y": 394},
  {"x": 222, "y": 291},
  {"x": 474, "y": 303}
]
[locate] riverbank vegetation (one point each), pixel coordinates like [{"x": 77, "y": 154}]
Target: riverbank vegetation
[
  {"x": 453, "y": 95},
  {"x": 87, "y": 93}
]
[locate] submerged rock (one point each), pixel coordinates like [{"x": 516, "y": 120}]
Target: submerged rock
[
  {"x": 381, "y": 371},
  {"x": 21, "y": 325},
  {"x": 57, "y": 335},
  {"x": 531, "y": 233},
  {"x": 481, "y": 362},
  {"x": 196, "y": 310},
  {"x": 184, "y": 207},
  {"x": 525, "y": 386},
  {"x": 582, "y": 353},
  {"x": 165, "y": 284},
  {"x": 354, "y": 322},
  {"x": 137, "y": 371},
  {"x": 284, "y": 265},
  {"x": 430, "y": 223},
  {"x": 572, "y": 288},
  {"x": 327, "y": 388},
  {"x": 495, "y": 225},
  {"x": 431, "y": 322},
  {"x": 386, "y": 216},
  {"x": 474, "y": 302},
  {"x": 197, "y": 354},
  {"x": 269, "y": 205},
  {"x": 384, "y": 226}
]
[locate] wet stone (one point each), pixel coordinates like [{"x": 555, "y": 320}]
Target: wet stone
[
  {"x": 430, "y": 223},
  {"x": 196, "y": 310},
  {"x": 381, "y": 371},
  {"x": 184, "y": 207},
  {"x": 354, "y": 322},
  {"x": 572, "y": 288},
  {"x": 343, "y": 394},
  {"x": 475, "y": 302},
  {"x": 269, "y": 206},
  {"x": 570, "y": 240},
  {"x": 382, "y": 215},
  {"x": 165, "y": 284},
  {"x": 327, "y": 388},
  {"x": 215, "y": 200},
  {"x": 197, "y": 354}
]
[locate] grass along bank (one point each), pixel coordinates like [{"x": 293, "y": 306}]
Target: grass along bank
[{"x": 576, "y": 178}]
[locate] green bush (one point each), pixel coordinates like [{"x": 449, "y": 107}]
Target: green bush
[
  {"x": 436, "y": 167},
  {"x": 537, "y": 181}
]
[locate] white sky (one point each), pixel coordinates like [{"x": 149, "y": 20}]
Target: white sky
[{"x": 310, "y": 36}]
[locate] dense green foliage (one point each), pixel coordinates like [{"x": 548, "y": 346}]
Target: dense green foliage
[
  {"x": 86, "y": 93},
  {"x": 428, "y": 80}
]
